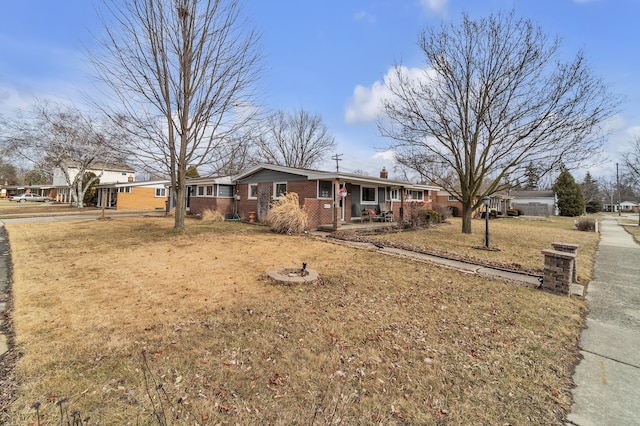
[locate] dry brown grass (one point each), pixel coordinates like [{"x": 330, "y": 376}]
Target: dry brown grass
[
  {"x": 520, "y": 241},
  {"x": 378, "y": 341},
  {"x": 11, "y": 208}
]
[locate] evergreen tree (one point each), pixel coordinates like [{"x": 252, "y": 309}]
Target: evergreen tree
[
  {"x": 532, "y": 178},
  {"x": 570, "y": 199},
  {"x": 591, "y": 193},
  {"x": 192, "y": 172},
  {"x": 91, "y": 193}
]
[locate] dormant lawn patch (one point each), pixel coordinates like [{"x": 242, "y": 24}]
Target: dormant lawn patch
[
  {"x": 519, "y": 242},
  {"x": 135, "y": 323}
]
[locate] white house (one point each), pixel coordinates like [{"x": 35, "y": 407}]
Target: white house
[
  {"x": 535, "y": 203},
  {"x": 107, "y": 174}
]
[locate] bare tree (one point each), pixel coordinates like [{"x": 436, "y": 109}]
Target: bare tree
[
  {"x": 236, "y": 156},
  {"x": 631, "y": 160},
  {"x": 493, "y": 97},
  {"x": 64, "y": 138},
  {"x": 298, "y": 139},
  {"x": 183, "y": 72}
]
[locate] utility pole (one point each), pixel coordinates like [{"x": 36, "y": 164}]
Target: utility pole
[
  {"x": 618, "y": 186},
  {"x": 337, "y": 159}
]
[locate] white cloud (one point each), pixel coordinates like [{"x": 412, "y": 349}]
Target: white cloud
[
  {"x": 366, "y": 102},
  {"x": 434, "y": 5},
  {"x": 387, "y": 155},
  {"x": 633, "y": 132},
  {"x": 363, "y": 15},
  {"x": 614, "y": 123}
]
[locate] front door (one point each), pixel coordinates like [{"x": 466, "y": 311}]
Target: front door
[{"x": 355, "y": 201}]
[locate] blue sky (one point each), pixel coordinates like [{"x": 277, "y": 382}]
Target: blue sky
[{"x": 330, "y": 56}]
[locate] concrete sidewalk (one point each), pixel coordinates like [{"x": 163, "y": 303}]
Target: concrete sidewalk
[{"x": 608, "y": 377}]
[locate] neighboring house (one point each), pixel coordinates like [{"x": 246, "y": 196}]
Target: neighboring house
[
  {"x": 150, "y": 195},
  {"x": 257, "y": 187},
  {"x": 535, "y": 203},
  {"x": 629, "y": 207},
  {"x": 445, "y": 198},
  {"x": 107, "y": 174},
  {"x": 498, "y": 202},
  {"x": 44, "y": 190},
  {"x": 623, "y": 207}
]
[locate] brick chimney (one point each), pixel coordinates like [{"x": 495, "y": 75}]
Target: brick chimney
[{"x": 384, "y": 174}]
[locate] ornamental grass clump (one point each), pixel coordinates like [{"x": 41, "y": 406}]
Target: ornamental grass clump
[
  {"x": 286, "y": 216},
  {"x": 210, "y": 215}
]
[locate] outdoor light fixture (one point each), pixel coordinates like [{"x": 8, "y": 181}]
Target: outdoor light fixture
[{"x": 486, "y": 219}]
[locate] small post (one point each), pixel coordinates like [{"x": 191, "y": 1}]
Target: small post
[
  {"x": 103, "y": 201},
  {"x": 486, "y": 217}
]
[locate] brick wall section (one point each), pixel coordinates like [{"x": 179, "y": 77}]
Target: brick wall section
[
  {"x": 317, "y": 214},
  {"x": 569, "y": 248},
  {"x": 558, "y": 271},
  {"x": 140, "y": 199},
  {"x": 443, "y": 200},
  {"x": 198, "y": 204},
  {"x": 304, "y": 189},
  {"x": 245, "y": 205}
]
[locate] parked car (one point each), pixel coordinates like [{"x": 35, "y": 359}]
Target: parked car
[{"x": 21, "y": 198}]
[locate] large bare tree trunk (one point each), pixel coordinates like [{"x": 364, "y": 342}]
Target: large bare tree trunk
[
  {"x": 467, "y": 211},
  {"x": 184, "y": 72},
  {"x": 180, "y": 208}
]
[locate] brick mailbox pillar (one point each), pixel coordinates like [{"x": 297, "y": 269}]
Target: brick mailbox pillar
[
  {"x": 558, "y": 271},
  {"x": 569, "y": 248}
]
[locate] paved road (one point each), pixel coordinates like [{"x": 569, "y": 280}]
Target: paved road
[{"x": 608, "y": 377}]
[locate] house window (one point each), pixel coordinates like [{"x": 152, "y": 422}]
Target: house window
[
  {"x": 201, "y": 191},
  {"x": 414, "y": 195},
  {"x": 161, "y": 192},
  {"x": 253, "y": 191},
  {"x": 369, "y": 195},
  {"x": 452, "y": 198},
  {"x": 279, "y": 189},
  {"x": 209, "y": 190},
  {"x": 126, "y": 189},
  {"x": 325, "y": 189},
  {"x": 225, "y": 190},
  {"x": 395, "y": 194}
]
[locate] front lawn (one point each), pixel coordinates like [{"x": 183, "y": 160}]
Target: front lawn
[
  {"x": 127, "y": 321},
  {"x": 519, "y": 241}
]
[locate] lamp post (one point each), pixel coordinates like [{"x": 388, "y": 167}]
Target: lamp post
[{"x": 486, "y": 221}]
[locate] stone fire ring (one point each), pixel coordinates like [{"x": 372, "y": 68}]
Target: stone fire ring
[{"x": 292, "y": 276}]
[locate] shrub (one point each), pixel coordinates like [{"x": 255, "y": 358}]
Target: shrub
[
  {"x": 209, "y": 215},
  {"x": 587, "y": 225},
  {"x": 432, "y": 216},
  {"x": 286, "y": 216},
  {"x": 454, "y": 211},
  {"x": 520, "y": 212},
  {"x": 444, "y": 211},
  {"x": 492, "y": 214},
  {"x": 513, "y": 212}
]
